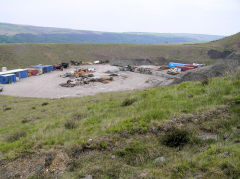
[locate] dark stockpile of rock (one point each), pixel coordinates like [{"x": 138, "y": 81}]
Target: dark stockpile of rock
[{"x": 227, "y": 67}]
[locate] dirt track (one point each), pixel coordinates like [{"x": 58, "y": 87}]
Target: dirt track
[{"x": 47, "y": 85}]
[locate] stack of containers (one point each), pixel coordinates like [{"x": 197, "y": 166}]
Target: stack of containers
[
  {"x": 43, "y": 68},
  {"x": 8, "y": 78}
]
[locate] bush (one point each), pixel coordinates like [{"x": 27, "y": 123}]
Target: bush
[
  {"x": 205, "y": 81},
  {"x": 176, "y": 138},
  {"x": 45, "y": 104},
  {"x": 7, "y": 108},
  {"x": 237, "y": 101},
  {"x": 128, "y": 101},
  {"x": 25, "y": 121},
  {"x": 16, "y": 135},
  {"x": 70, "y": 124}
]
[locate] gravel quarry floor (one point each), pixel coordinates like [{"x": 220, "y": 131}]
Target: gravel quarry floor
[{"x": 47, "y": 85}]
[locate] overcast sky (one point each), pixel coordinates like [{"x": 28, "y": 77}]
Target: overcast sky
[{"x": 220, "y": 17}]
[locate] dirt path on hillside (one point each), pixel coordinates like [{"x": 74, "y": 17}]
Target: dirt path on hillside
[{"x": 47, "y": 85}]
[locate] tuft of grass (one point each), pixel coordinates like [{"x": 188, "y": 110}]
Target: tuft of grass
[
  {"x": 134, "y": 148},
  {"x": 70, "y": 124},
  {"x": 16, "y": 136},
  {"x": 128, "y": 101},
  {"x": 79, "y": 116}
]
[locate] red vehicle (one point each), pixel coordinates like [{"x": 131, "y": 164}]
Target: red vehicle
[
  {"x": 32, "y": 72},
  {"x": 194, "y": 66},
  {"x": 185, "y": 68}
]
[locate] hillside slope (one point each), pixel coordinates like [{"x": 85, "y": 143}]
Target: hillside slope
[
  {"x": 11, "y": 33},
  {"x": 189, "y": 130},
  {"x": 22, "y": 55},
  {"x": 230, "y": 43}
]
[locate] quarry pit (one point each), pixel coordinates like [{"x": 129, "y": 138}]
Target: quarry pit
[{"x": 47, "y": 85}]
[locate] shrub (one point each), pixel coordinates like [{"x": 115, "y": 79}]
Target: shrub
[
  {"x": 7, "y": 108},
  {"x": 25, "y": 121},
  {"x": 128, "y": 101},
  {"x": 205, "y": 81},
  {"x": 237, "y": 101},
  {"x": 16, "y": 135},
  {"x": 176, "y": 138},
  {"x": 45, "y": 104},
  {"x": 70, "y": 124}
]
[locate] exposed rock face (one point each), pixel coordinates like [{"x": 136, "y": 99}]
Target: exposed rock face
[
  {"x": 214, "y": 54},
  {"x": 42, "y": 165}
]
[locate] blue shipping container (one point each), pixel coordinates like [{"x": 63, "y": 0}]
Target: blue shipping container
[
  {"x": 172, "y": 64},
  {"x": 24, "y": 74},
  {"x": 45, "y": 68},
  {"x": 21, "y": 74},
  {"x": 9, "y": 78}
]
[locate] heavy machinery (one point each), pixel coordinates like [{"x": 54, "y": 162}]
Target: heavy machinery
[{"x": 60, "y": 66}]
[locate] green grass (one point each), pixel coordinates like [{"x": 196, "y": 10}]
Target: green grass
[
  {"x": 30, "y": 125},
  {"x": 230, "y": 43}
]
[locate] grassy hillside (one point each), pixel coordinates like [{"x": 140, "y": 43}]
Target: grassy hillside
[
  {"x": 14, "y": 29},
  {"x": 230, "y": 43},
  {"x": 12, "y": 33},
  {"x": 21, "y": 55},
  {"x": 194, "y": 126}
]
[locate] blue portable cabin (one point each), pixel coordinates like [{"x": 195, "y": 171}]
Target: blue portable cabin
[
  {"x": 8, "y": 78},
  {"x": 20, "y": 73},
  {"x": 172, "y": 64},
  {"x": 44, "y": 68},
  {"x": 48, "y": 68}
]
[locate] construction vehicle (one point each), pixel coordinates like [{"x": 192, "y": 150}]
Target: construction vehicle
[{"x": 60, "y": 66}]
